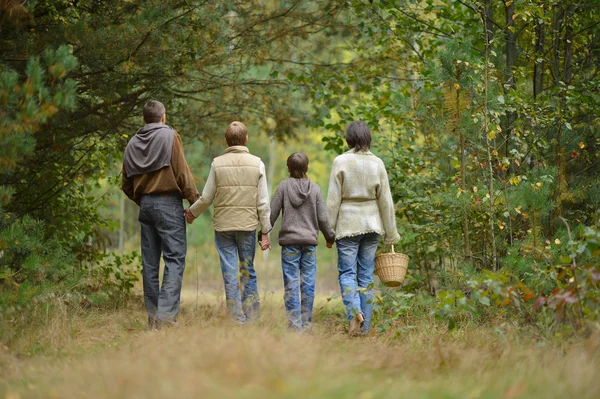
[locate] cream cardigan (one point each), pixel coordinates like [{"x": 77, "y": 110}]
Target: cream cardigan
[{"x": 359, "y": 200}]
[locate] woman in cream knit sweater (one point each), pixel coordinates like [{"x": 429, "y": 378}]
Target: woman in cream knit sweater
[{"x": 361, "y": 211}]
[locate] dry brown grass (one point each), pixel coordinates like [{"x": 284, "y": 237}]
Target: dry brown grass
[{"x": 111, "y": 355}]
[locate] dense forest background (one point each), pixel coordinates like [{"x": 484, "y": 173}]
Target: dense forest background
[{"x": 485, "y": 113}]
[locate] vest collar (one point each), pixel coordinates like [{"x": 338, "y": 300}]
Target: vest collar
[{"x": 237, "y": 149}]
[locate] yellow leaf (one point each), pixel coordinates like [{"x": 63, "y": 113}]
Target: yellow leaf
[
  {"x": 487, "y": 196},
  {"x": 492, "y": 134},
  {"x": 456, "y": 86},
  {"x": 475, "y": 189},
  {"x": 518, "y": 209},
  {"x": 581, "y": 145},
  {"x": 539, "y": 184},
  {"x": 557, "y": 241},
  {"x": 495, "y": 153}
]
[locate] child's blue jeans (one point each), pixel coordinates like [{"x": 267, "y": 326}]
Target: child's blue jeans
[
  {"x": 299, "y": 264},
  {"x": 236, "y": 251}
]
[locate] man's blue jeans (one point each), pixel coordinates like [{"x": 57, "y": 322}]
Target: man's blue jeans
[
  {"x": 299, "y": 264},
  {"x": 163, "y": 231},
  {"x": 356, "y": 261},
  {"x": 236, "y": 251}
]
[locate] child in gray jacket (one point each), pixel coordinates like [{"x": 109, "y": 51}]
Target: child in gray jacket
[{"x": 304, "y": 213}]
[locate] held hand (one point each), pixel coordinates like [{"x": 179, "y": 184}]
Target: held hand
[
  {"x": 329, "y": 245},
  {"x": 265, "y": 243},
  {"x": 188, "y": 216}
]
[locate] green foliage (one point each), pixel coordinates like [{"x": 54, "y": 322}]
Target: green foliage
[
  {"x": 113, "y": 278},
  {"x": 29, "y": 256}
]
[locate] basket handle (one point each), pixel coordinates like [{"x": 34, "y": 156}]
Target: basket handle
[{"x": 393, "y": 252}]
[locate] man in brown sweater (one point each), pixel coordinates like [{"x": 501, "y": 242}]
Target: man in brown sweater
[{"x": 157, "y": 178}]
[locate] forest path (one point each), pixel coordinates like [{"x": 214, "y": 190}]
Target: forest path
[{"x": 111, "y": 355}]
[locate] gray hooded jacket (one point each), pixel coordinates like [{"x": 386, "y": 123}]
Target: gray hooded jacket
[
  {"x": 304, "y": 213},
  {"x": 149, "y": 150}
]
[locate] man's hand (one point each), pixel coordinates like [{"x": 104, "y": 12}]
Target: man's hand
[
  {"x": 188, "y": 216},
  {"x": 265, "y": 243},
  {"x": 329, "y": 245}
]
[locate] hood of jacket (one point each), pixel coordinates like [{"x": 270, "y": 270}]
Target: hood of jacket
[
  {"x": 150, "y": 149},
  {"x": 298, "y": 191}
]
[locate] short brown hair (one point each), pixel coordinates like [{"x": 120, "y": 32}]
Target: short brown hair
[
  {"x": 236, "y": 134},
  {"x": 153, "y": 111},
  {"x": 358, "y": 136},
  {"x": 297, "y": 164}
]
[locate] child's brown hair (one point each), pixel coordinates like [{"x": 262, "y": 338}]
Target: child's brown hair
[
  {"x": 236, "y": 134},
  {"x": 297, "y": 164}
]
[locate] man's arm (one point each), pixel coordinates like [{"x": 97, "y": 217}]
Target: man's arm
[
  {"x": 182, "y": 172},
  {"x": 127, "y": 186},
  {"x": 208, "y": 195},
  {"x": 262, "y": 202}
]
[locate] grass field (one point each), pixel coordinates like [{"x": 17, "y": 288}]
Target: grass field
[{"x": 109, "y": 354}]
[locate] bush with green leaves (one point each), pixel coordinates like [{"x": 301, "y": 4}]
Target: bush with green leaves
[{"x": 28, "y": 255}]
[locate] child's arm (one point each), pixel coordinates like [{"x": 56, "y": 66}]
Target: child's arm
[
  {"x": 208, "y": 195},
  {"x": 262, "y": 202},
  {"x": 276, "y": 204},
  {"x": 324, "y": 224}
]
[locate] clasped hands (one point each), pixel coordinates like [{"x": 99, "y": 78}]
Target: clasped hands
[
  {"x": 264, "y": 242},
  {"x": 188, "y": 216}
]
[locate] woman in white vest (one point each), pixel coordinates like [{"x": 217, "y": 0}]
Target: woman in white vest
[{"x": 361, "y": 211}]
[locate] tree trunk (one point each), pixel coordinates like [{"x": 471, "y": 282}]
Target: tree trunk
[
  {"x": 538, "y": 67},
  {"x": 463, "y": 181},
  {"x": 561, "y": 166},
  {"x": 489, "y": 144},
  {"x": 511, "y": 60},
  {"x": 556, "y": 28}
]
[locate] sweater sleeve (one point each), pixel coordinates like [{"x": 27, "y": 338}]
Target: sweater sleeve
[
  {"x": 262, "y": 202},
  {"x": 323, "y": 219},
  {"x": 208, "y": 194},
  {"x": 386, "y": 207},
  {"x": 182, "y": 172},
  {"x": 276, "y": 204},
  {"x": 334, "y": 194}
]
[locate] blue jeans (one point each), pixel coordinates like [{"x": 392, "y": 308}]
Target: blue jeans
[
  {"x": 356, "y": 261},
  {"x": 299, "y": 264},
  {"x": 236, "y": 251},
  {"x": 163, "y": 231}
]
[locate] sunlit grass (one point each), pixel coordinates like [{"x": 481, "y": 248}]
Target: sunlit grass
[{"x": 97, "y": 354}]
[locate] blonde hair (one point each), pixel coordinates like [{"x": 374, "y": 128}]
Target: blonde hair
[{"x": 236, "y": 134}]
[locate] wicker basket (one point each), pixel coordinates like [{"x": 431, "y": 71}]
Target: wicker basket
[{"x": 391, "y": 268}]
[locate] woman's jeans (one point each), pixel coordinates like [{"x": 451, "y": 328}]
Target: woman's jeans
[
  {"x": 236, "y": 251},
  {"x": 356, "y": 261},
  {"x": 299, "y": 264},
  {"x": 163, "y": 231}
]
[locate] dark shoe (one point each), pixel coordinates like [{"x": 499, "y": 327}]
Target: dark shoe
[{"x": 153, "y": 324}]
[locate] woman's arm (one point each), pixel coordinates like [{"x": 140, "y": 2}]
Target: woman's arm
[
  {"x": 322, "y": 218},
  {"x": 386, "y": 207},
  {"x": 334, "y": 194}
]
